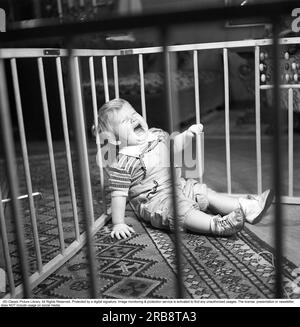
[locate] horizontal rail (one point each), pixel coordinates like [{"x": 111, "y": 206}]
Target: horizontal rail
[
  {"x": 21, "y": 197},
  {"x": 154, "y": 19},
  {"x": 55, "y": 52},
  {"x": 282, "y": 86},
  {"x": 211, "y": 45}
]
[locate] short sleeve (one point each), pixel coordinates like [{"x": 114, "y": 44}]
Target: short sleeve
[{"x": 119, "y": 181}]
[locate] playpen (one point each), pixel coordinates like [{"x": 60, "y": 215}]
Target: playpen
[{"x": 72, "y": 57}]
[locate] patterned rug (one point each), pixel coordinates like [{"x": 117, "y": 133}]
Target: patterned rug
[
  {"x": 142, "y": 266},
  {"x": 46, "y": 212}
]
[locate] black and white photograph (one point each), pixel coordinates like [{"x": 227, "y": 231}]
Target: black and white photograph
[{"x": 149, "y": 154}]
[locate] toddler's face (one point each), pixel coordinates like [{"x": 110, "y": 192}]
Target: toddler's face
[{"x": 129, "y": 126}]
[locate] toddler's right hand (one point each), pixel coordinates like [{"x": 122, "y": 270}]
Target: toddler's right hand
[
  {"x": 121, "y": 231},
  {"x": 195, "y": 129}
]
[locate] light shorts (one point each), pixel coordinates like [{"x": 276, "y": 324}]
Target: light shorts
[{"x": 158, "y": 211}]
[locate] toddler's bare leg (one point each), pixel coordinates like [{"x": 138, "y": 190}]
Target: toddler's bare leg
[
  {"x": 221, "y": 203},
  {"x": 198, "y": 221}
]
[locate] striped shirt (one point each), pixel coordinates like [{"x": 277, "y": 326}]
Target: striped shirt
[{"x": 128, "y": 170}]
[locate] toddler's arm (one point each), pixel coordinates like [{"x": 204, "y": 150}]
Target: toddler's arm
[
  {"x": 120, "y": 229},
  {"x": 181, "y": 140}
]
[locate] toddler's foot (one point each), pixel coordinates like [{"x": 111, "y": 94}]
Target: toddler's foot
[
  {"x": 227, "y": 225},
  {"x": 255, "y": 206}
]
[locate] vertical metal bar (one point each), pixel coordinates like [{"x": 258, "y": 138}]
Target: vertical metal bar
[
  {"x": 105, "y": 80},
  {"x": 142, "y": 83},
  {"x": 59, "y": 9},
  {"x": 84, "y": 173},
  {"x": 81, "y": 3},
  {"x": 9, "y": 152},
  {"x": 116, "y": 76},
  {"x": 67, "y": 144},
  {"x": 199, "y": 150},
  {"x": 26, "y": 163},
  {"x": 88, "y": 187},
  {"x": 7, "y": 258},
  {"x": 291, "y": 141},
  {"x": 277, "y": 168},
  {"x": 257, "y": 122},
  {"x": 169, "y": 104},
  {"x": 51, "y": 153},
  {"x": 227, "y": 121},
  {"x": 98, "y": 141},
  {"x": 3, "y": 21},
  {"x": 196, "y": 85}
]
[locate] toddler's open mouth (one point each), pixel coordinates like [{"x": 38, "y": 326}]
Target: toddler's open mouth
[{"x": 139, "y": 130}]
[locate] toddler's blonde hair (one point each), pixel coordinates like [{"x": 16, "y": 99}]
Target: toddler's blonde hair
[{"x": 105, "y": 115}]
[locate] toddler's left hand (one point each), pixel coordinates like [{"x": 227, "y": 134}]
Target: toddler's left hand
[{"x": 195, "y": 129}]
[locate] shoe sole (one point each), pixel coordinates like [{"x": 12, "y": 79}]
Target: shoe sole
[{"x": 268, "y": 202}]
